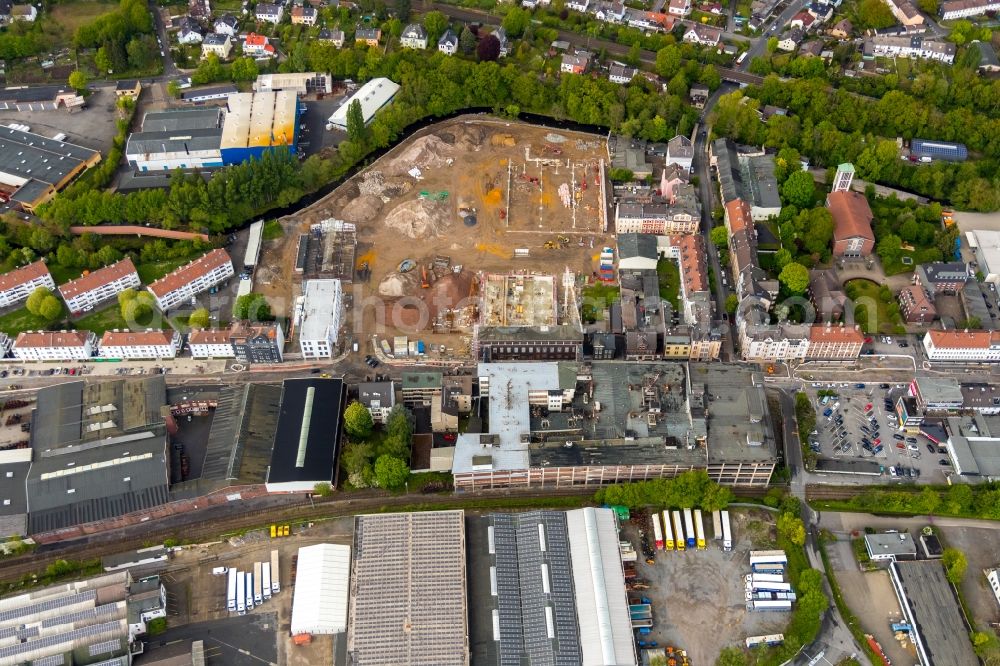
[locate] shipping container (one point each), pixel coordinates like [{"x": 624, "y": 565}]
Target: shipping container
[
  {"x": 689, "y": 529},
  {"x": 727, "y": 534},
  {"x": 668, "y": 532},
  {"x": 266, "y": 586},
  {"x": 769, "y": 640},
  {"x": 679, "y": 538},
  {"x": 231, "y": 591},
  {"x": 275, "y": 582},
  {"x": 657, "y": 531},
  {"x": 241, "y": 593},
  {"x": 258, "y": 587},
  {"x": 716, "y": 524},
  {"x": 773, "y": 568},
  {"x": 699, "y": 530}
]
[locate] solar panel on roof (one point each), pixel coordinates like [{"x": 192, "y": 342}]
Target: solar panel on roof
[
  {"x": 51, "y": 660},
  {"x": 104, "y": 647}
]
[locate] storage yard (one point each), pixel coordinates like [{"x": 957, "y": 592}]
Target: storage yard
[{"x": 424, "y": 228}]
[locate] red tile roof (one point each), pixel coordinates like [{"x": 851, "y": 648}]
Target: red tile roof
[
  {"x": 98, "y": 278},
  {"x": 960, "y": 339},
  {"x": 836, "y": 334},
  {"x": 28, "y": 339},
  {"x": 852, "y": 216},
  {"x": 209, "y": 336},
  {"x": 189, "y": 272},
  {"x": 739, "y": 215},
  {"x": 19, "y": 276},
  {"x": 136, "y": 338}
]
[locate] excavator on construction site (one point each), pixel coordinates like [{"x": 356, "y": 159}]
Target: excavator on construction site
[{"x": 424, "y": 283}]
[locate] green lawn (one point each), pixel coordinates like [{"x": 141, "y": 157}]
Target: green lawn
[
  {"x": 71, "y": 15},
  {"x": 596, "y": 299},
  {"x": 919, "y": 256},
  {"x": 62, "y": 274},
  {"x": 272, "y": 230},
  {"x": 670, "y": 282},
  {"x": 868, "y": 291},
  {"x": 110, "y": 318},
  {"x": 153, "y": 271},
  {"x": 14, "y": 322}
]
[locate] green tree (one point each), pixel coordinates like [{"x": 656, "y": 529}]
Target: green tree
[
  {"x": 253, "y": 307},
  {"x": 818, "y": 233},
  {"x": 889, "y": 249},
  {"x": 873, "y": 14},
  {"x": 244, "y": 69},
  {"x": 710, "y": 77},
  {"x": 955, "y": 565},
  {"x": 732, "y": 304},
  {"x": 357, "y": 456},
  {"x": 719, "y": 236},
  {"x": 136, "y": 311},
  {"x": 466, "y": 41},
  {"x": 668, "y": 61},
  {"x": 772, "y": 44},
  {"x": 358, "y": 421},
  {"x": 173, "y": 88},
  {"x": 78, "y": 80},
  {"x": 795, "y": 278},
  {"x": 488, "y": 48},
  {"x": 102, "y": 61},
  {"x": 516, "y": 21},
  {"x": 126, "y": 295},
  {"x": 35, "y": 300},
  {"x": 356, "y": 130},
  {"x": 732, "y": 656},
  {"x": 391, "y": 472},
  {"x": 799, "y": 189},
  {"x": 200, "y": 318},
  {"x": 791, "y": 527},
  {"x": 435, "y": 23},
  {"x": 322, "y": 489},
  {"x": 782, "y": 258},
  {"x": 715, "y": 497},
  {"x": 50, "y": 309}
]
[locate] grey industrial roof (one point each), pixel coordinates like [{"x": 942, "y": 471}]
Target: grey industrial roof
[
  {"x": 637, "y": 245},
  {"x": 209, "y": 92},
  {"x": 28, "y": 155},
  {"x": 724, "y": 151},
  {"x": 30, "y": 191},
  {"x": 761, "y": 185},
  {"x": 732, "y": 392},
  {"x": 318, "y": 430},
  {"x": 933, "y": 607},
  {"x": 532, "y": 556},
  {"x": 13, "y": 498},
  {"x": 895, "y": 543},
  {"x": 939, "y": 390},
  {"x": 563, "y": 332},
  {"x": 144, "y": 143},
  {"x": 31, "y": 94}
]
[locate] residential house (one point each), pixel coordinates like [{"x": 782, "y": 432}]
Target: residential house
[
  {"x": 304, "y": 15},
  {"x": 148, "y": 344},
  {"x": 576, "y": 63},
  {"x": 811, "y": 49},
  {"x": 418, "y": 388},
  {"x": 99, "y": 286},
  {"x": 842, "y": 29},
  {"x": 912, "y": 46},
  {"x": 378, "y": 398},
  {"x": 629, "y": 153},
  {"x": 335, "y": 36},
  {"x": 610, "y": 12},
  {"x": 852, "y": 220},
  {"x": 905, "y": 13},
  {"x": 192, "y": 279},
  {"x": 677, "y": 212},
  {"x": 369, "y": 36},
  {"x": 679, "y": 8},
  {"x": 955, "y": 345},
  {"x": 200, "y": 10},
  {"x": 414, "y": 37},
  {"x": 26, "y": 13},
  {"x": 220, "y": 45},
  {"x": 448, "y": 44},
  {"x": 698, "y": 95},
  {"x": 18, "y": 284},
  {"x": 790, "y": 40},
  {"x": 834, "y": 342},
  {"x": 227, "y": 24},
  {"x": 210, "y": 343},
  {"x": 803, "y": 21},
  {"x": 54, "y": 345},
  {"x": 915, "y": 305},
  {"x": 501, "y": 35},
  {"x": 257, "y": 46},
  {"x": 129, "y": 88},
  {"x": 5, "y": 7},
  {"x": 267, "y": 12},
  {"x": 680, "y": 151},
  {"x": 620, "y": 73},
  {"x": 704, "y": 35},
  {"x": 190, "y": 32},
  {"x": 943, "y": 277},
  {"x": 957, "y": 9},
  {"x": 578, "y": 5},
  {"x": 820, "y": 11},
  {"x": 257, "y": 342}
]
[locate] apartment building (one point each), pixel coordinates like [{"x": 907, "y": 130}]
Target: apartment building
[
  {"x": 905, "y": 13},
  {"x": 658, "y": 215},
  {"x": 319, "y": 318},
  {"x": 148, "y": 344},
  {"x": 219, "y": 44},
  {"x": 968, "y": 346},
  {"x": 210, "y": 343},
  {"x": 915, "y": 305},
  {"x": 419, "y": 388},
  {"x": 54, "y": 345},
  {"x": 254, "y": 342},
  {"x": 956, "y": 9},
  {"x": 913, "y": 46},
  {"x": 18, "y": 284},
  {"x": 378, "y": 398},
  {"x": 943, "y": 277},
  {"x": 192, "y": 279},
  {"x": 104, "y": 284},
  {"x": 779, "y": 342},
  {"x": 834, "y": 342}
]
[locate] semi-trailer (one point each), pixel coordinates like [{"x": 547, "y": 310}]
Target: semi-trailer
[
  {"x": 248, "y": 576},
  {"x": 768, "y": 568},
  {"x": 668, "y": 532},
  {"x": 770, "y": 640},
  {"x": 679, "y": 531},
  {"x": 231, "y": 591},
  {"x": 689, "y": 528},
  {"x": 727, "y": 534},
  {"x": 241, "y": 593},
  {"x": 699, "y": 530},
  {"x": 776, "y": 605},
  {"x": 266, "y": 586},
  {"x": 770, "y": 587},
  {"x": 716, "y": 524},
  {"x": 768, "y": 557},
  {"x": 764, "y": 578},
  {"x": 275, "y": 582},
  {"x": 258, "y": 587},
  {"x": 657, "y": 531}
]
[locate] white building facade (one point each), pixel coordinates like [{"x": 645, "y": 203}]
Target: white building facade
[
  {"x": 147, "y": 344},
  {"x": 210, "y": 343},
  {"x": 102, "y": 285},
  {"x": 54, "y": 346},
  {"x": 319, "y": 316},
  {"x": 18, "y": 284},
  {"x": 192, "y": 279}
]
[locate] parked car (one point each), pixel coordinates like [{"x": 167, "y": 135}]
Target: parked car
[
  {"x": 931, "y": 449},
  {"x": 912, "y": 447},
  {"x": 911, "y": 440},
  {"x": 944, "y": 461},
  {"x": 896, "y": 435}
]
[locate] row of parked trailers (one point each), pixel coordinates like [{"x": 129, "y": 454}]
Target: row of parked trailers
[
  {"x": 248, "y": 589},
  {"x": 683, "y": 529},
  {"x": 766, "y": 589}
]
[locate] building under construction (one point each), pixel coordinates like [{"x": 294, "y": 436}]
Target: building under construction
[
  {"x": 528, "y": 316},
  {"x": 329, "y": 251}
]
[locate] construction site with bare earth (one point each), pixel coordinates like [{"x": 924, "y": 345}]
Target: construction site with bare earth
[{"x": 415, "y": 236}]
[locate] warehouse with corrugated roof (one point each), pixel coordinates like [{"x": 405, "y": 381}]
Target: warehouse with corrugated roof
[{"x": 256, "y": 122}]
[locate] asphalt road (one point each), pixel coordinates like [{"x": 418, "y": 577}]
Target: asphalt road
[{"x": 759, "y": 44}]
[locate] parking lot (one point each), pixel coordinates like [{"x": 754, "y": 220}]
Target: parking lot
[{"x": 857, "y": 421}]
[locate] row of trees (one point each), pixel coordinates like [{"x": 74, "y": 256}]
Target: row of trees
[
  {"x": 687, "y": 490},
  {"x": 981, "y": 501}
]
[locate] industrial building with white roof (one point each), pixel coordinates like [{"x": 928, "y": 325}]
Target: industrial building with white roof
[
  {"x": 320, "y": 602},
  {"x": 318, "y": 314},
  {"x": 372, "y": 96}
]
